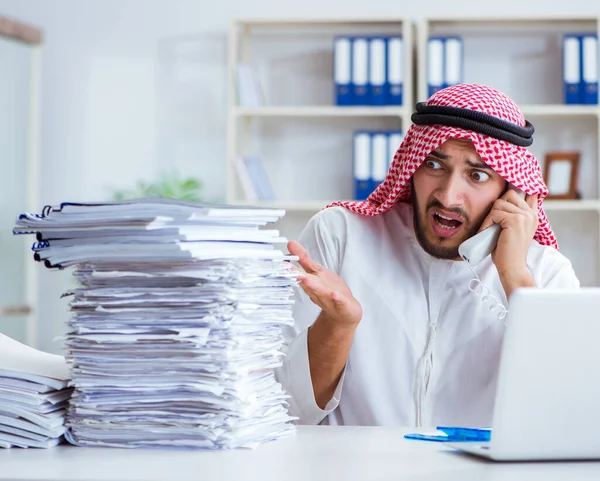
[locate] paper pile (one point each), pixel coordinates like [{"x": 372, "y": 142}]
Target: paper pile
[
  {"x": 176, "y": 327},
  {"x": 33, "y": 396}
]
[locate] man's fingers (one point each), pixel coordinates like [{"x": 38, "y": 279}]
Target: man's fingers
[
  {"x": 514, "y": 198},
  {"x": 509, "y": 204},
  {"x": 532, "y": 201},
  {"x": 495, "y": 216},
  {"x": 298, "y": 272},
  {"x": 321, "y": 295},
  {"x": 487, "y": 222},
  {"x": 309, "y": 265},
  {"x": 506, "y": 206}
]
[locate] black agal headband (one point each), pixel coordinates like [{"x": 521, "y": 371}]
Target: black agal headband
[{"x": 479, "y": 122}]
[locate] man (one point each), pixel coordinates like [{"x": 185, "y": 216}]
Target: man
[{"x": 390, "y": 328}]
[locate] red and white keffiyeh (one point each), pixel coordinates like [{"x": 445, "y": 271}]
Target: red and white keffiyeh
[{"x": 515, "y": 164}]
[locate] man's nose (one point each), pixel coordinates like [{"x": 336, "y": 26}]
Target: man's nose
[{"x": 450, "y": 193}]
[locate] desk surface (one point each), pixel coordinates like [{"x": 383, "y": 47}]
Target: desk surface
[{"x": 314, "y": 453}]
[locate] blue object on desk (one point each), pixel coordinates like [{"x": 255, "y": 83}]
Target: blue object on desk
[{"x": 454, "y": 434}]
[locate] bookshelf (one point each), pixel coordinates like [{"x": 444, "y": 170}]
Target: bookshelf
[
  {"x": 305, "y": 140},
  {"x": 297, "y": 109}
]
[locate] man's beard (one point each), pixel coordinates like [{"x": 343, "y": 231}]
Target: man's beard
[{"x": 437, "y": 250}]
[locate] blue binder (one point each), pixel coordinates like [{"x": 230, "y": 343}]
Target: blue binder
[
  {"x": 453, "y": 61},
  {"x": 377, "y": 70},
  {"x": 395, "y": 138},
  {"x": 362, "y": 164},
  {"x": 395, "y": 63},
  {"x": 572, "y": 69},
  {"x": 342, "y": 70},
  {"x": 379, "y": 158},
  {"x": 589, "y": 72},
  {"x": 360, "y": 70},
  {"x": 435, "y": 65}
]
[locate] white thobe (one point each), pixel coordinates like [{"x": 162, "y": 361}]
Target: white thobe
[{"x": 426, "y": 351}]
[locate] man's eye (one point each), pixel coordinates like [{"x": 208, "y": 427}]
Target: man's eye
[
  {"x": 433, "y": 164},
  {"x": 480, "y": 176}
]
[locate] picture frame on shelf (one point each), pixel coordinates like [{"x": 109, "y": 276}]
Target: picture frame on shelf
[{"x": 561, "y": 169}]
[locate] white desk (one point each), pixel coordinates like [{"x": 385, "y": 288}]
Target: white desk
[{"x": 314, "y": 453}]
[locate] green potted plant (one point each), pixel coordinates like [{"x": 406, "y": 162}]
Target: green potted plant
[{"x": 169, "y": 184}]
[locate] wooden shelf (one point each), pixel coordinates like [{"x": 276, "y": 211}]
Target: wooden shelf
[
  {"x": 572, "y": 205},
  {"x": 290, "y": 206},
  {"x": 318, "y": 111},
  {"x": 560, "y": 110},
  {"x": 512, "y": 19},
  {"x": 312, "y": 22}
]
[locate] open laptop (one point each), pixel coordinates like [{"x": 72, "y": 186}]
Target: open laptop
[{"x": 547, "y": 404}]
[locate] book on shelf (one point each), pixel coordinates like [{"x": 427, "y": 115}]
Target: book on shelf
[
  {"x": 254, "y": 179},
  {"x": 246, "y": 181},
  {"x": 249, "y": 89}
]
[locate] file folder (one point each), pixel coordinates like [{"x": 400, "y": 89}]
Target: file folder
[
  {"x": 342, "y": 63},
  {"x": 435, "y": 65},
  {"x": 360, "y": 70},
  {"x": 362, "y": 165},
  {"x": 589, "y": 55},
  {"x": 453, "y": 61},
  {"x": 453, "y": 434},
  {"x": 395, "y": 138},
  {"x": 572, "y": 69},
  {"x": 377, "y": 71},
  {"x": 395, "y": 80},
  {"x": 380, "y": 158}
]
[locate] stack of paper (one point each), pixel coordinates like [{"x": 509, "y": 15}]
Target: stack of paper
[
  {"x": 177, "y": 326},
  {"x": 33, "y": 396}
]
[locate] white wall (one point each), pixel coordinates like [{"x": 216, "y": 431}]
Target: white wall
[{"x": 134, "y": 86}]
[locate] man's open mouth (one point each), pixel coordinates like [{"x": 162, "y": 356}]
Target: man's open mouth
[{"x": 446, "y": 222}]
